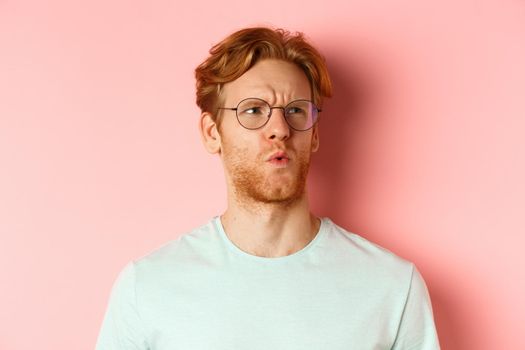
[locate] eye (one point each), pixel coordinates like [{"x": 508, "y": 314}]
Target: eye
[
  {"x": 295, "y": 110},
  {"x": 252, "y": 110}
]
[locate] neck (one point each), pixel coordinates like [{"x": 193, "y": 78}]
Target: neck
[{"x": 270, "y": 229}]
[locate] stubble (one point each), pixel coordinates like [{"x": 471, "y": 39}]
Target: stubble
[{"x": 253, "y": 184}]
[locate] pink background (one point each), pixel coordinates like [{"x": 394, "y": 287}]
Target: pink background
[{"x": 422, "y": 149}]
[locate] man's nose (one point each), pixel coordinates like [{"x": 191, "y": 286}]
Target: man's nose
[{"x": 277, "y": 126}]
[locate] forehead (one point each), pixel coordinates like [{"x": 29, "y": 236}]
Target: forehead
[{"x": 270, "y": 79}]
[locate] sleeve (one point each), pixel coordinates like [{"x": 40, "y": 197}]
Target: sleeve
[
  {"x": 121, "y": 327},
  {"x": 416, "y": 329}
]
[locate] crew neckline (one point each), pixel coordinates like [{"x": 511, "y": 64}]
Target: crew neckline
[{"x": 320, "y": 233}]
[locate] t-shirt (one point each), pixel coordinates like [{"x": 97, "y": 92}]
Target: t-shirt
[{"x": 202, "y": 292}]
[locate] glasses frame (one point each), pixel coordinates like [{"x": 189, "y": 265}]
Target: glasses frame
[{"x": 270, "y": 113}]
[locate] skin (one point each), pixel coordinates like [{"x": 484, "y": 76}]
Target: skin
[{"x": 267, "y": 213}]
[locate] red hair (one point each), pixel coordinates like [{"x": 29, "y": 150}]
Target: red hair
[{"x": 237, "y": 53}]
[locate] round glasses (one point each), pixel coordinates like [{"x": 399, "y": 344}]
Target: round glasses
[{"x": 253, "y": 113}]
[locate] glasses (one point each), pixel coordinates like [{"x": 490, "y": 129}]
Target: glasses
[{"x": 253, "y": 113}]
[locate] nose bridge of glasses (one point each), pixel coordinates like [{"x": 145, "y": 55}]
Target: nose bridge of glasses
[{"x": 277, "y": 107}]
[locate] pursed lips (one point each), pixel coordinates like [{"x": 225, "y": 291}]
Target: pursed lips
[
  {"x": 278, "y": 156},
  {"x": 279, "y": 159}
]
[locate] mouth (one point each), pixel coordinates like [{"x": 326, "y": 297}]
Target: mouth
[
  {"x": 278, "y": 156},
  {"x": 279, "y": 159}
]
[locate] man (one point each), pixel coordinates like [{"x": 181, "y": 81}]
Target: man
[{"x": 267, "y": 274}]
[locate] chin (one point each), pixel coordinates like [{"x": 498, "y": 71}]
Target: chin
[
  {"x": 278, "y": 195},
  {"x": 276, "y": 187}
]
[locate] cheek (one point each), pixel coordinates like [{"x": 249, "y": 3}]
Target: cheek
[
  {"x": 306, "y": 143},
  {"x": 237, "y": 151}
]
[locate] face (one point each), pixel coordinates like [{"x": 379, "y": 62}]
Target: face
[{"x": 270, "y": 164}]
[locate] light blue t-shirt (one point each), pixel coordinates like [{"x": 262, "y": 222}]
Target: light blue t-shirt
[{"x": 202, "y": 292}]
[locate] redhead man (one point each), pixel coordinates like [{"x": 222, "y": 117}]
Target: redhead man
[{"x": 267, "y": 273}]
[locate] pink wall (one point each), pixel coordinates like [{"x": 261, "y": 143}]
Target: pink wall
[{"x": 101, "y": 161}]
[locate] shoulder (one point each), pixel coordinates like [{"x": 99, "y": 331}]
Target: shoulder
[
  {"x": 177, "y": 254},
  {"x": 366, "y": 256}
]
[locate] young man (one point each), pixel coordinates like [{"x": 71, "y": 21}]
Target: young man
[{"x": 267, "y": 274}]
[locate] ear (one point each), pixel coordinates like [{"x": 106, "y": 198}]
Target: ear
[
  {"x": 315, "y": 138},
  {"x": 210, "y": 133}
]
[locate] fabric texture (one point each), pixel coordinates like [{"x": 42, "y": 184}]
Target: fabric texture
[{"x": 202, "y": 292}]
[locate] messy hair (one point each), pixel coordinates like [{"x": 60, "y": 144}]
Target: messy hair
[{"x": 236, "y": 54}]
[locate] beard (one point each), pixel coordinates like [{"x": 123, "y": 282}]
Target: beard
[{"x": 253, "y": 182}]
